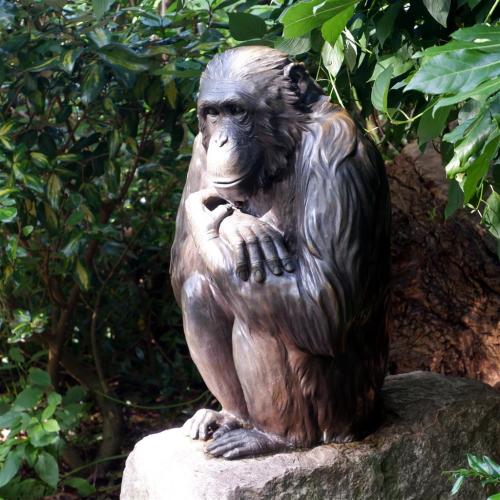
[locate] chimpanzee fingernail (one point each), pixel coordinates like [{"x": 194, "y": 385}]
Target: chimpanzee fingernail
[
  {"x": 258, "y": 275},
  {"x": 289, "y": 266},
  {"x": 277, "y": 270}
]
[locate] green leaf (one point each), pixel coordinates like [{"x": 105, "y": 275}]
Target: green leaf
[
  {"x": 438, "y": 9},
  {"x": 495, "y": 496},
  {"x": 333, "y": 57},
  {"x": 47, "y": 469},
  {"x": 51, "y": 63},
  {"x": 350, "y": 51},
  {"x": 10, "y": 419},
  {"x": 54, "y": 187},
  {"x": 28, "y": 398},
  {"x": 380, "y": 89},
  {"x": 493, "y": 465},
  {"x": 92, "y": 83},
  {"x": 457, "y": 485},
  {"x": 16, "y": 355},
  {"x": 484, "y": 90},
  {"x": 100, "y": 7},
  {"x": 69, "y": 58},
  {"x": 115, "y": 141},
  {"x": 10, "y": 468},
  {"x": 7, "y": 214},
  {"x": 82, "y": 275},
  {"x": 455, "y": 198},
  {"x": 385, "y": 25},
  {"x": 302, "y": 17},
  {"x": 124, "y": 57},
  {"x": 459, "y": 71},
  {"x": 48, "y": 412},
  {"x": 491, "y": 215},
  {"x": 40, "y": 436},
  {"x": 473, "y": 142},
  {"x": 82, "y": 486},
  {"x": 332, "y": 29},
  {"x": 478, "y": 169},
  {"x": 39, "y": 377},
  {"x": 27, "y": 230},
  {"x": 293, "y": 46},
  {"x": 51, "y": 426},
  {"x": 244, "y": 26},
  {"x": 431, "y": 125},
  {"x": 75, "y": 243},
  {"x": 50, "y": 217},
  {"x": 455, "y": 45},
  {"x": 39, "y": 159},
  {"x": 478, "y": 32},
  {"x": 54, "y": 399}
]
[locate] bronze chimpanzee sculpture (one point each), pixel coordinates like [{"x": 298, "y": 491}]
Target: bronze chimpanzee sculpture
[{"x": 281, "y": 260}]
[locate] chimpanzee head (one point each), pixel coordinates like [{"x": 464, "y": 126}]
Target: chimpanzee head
[{"x": 252, "y": 108}]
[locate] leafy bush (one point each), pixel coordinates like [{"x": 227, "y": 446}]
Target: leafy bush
[
  {"x": 484, "y": 469},
  {"x": 420, "y": 85}
]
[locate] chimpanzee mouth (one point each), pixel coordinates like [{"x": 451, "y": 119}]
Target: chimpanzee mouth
[{"x": 231, "y": 183}]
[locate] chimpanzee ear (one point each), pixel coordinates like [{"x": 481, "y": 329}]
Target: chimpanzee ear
[{"x": 307, "y": 89}]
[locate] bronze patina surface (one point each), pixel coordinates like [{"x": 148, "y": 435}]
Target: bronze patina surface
[{"x": 281, "y": 260}]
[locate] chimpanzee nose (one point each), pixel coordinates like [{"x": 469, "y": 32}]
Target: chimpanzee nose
[{"x": 220, "y": 139}]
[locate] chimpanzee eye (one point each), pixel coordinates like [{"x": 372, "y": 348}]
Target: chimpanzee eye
[
  {"x": 211, "y": 111},
  {"x": 234, "y": 109}
]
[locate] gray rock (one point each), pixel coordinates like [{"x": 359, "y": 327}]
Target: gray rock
[{"x": 432, "y": 421}]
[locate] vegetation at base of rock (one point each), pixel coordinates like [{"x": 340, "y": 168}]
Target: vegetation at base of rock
[
  {"x": 97, "y": 119},
  {"x": 483, "y": 469}
]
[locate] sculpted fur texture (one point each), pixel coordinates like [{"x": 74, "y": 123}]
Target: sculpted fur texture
[{"x": 281, "y": 260}]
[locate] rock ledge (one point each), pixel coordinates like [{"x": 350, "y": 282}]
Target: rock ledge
[{"x": 431, "y": 422}]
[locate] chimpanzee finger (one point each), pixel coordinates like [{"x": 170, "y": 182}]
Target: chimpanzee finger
[
  {"x": 242, "y": 267},
  {"x": 270, "y": 254},
  {"x": 256, "y": 264},
  {"x": 283, "y": 254}
]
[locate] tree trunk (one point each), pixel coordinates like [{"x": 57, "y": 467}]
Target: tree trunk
[{"x": 445, "y": 306}]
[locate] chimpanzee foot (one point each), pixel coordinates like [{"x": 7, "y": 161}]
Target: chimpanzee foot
[
  {"x": 241, "y": 443},
  {"x": 205, "y": 422}
]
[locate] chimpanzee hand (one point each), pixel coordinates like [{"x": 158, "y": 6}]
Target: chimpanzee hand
[
  {"x": 255, "y": 243},
  {"x": 203, "y": 222}
]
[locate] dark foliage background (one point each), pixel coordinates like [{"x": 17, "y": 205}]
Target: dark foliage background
[{"x": 97, "y": 119}]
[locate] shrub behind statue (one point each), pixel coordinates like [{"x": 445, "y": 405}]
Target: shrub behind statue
[{"x": 281, "y": 260}]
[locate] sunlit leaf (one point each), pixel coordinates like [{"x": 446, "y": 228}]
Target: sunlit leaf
[
  {"x": 438, "y": 9},
  {"x": 459, "y": 71},
  {"x": 380, "y": 90},
  {"x": 124, "y": 57},
  {"x": 7, "y": 214},
  {"x": 303, "y": 17},
  {"x": 333, "y": 57},
  {"x": 332, "y": 28},
  {"x": 483, "y": 90},
  {"x": 93, "y": 82},
  {"x": 82, "y": 275}
]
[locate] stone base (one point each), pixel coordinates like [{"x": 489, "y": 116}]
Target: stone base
[{"x": 432, "y": 421}]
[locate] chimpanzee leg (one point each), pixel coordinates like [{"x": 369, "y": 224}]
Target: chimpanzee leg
[
  {"x": 208, "y": 332},
  {"x": 274, "y": 398}
]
